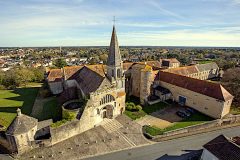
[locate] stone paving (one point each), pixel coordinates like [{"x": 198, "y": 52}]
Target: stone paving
[
  {"x": 124, "y": 133},
  {"x": 153, "y": 121},
  {"x": 162, "y": 118}
]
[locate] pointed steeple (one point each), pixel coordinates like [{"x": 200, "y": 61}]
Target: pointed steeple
[{"x": 114, "y": 56}]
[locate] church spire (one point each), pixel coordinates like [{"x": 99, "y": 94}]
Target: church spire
[{"x": 114, "y": 56}]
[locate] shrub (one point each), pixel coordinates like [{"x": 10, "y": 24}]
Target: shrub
[
  {"x": 138, "y": 107},
  {"x": 2, "y": 87},
  {"x": 130, "y": 106},
  {"x": 68, "y": 115},
  {"x": 58, "y": 123}
]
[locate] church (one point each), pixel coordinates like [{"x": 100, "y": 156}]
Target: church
[{"x": 103, "y": 87}]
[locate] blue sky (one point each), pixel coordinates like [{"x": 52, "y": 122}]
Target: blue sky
[{"x": 139, "y": 22}]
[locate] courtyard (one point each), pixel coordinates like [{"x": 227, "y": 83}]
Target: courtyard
[{"x": 161, "y": 117}]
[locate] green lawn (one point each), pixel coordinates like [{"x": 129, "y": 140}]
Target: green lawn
[
  {"x": 51, "y": 110},
  {"x": 135, "y": 115},
  {"x": 146, "y": 110},
  {"x": 6, "y": 119},
  {"x": 195, "y": 119},
  {"x": 10, "y": 100},
  {"x": 235, "y": 110}
]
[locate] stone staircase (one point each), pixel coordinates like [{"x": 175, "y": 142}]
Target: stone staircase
[{"x": 111, "y": 125}]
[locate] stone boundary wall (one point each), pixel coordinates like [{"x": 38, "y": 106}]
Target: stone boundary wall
[
  {"x": 64, "y": 132},
  {"x": 200, "y": 128},
  {"x": 74, "y": 127},
  {"x": 4, "y": 143}
]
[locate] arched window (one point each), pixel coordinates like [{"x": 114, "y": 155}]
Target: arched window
[{"x": 106, "y": 99}]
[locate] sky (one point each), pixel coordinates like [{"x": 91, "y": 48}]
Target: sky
[{"x": 27, "y": 23}]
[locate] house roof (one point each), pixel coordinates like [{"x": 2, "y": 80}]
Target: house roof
[
  {"x": 187, "y": 70},
  {"x": 90, "y": 80},
  {"x": 55, "y": 75},
  {"x": 207, "y": 88},
  {"x": 71, "y": 70},
  {"x": 207, "y": 66},
  {"x": 154, "y": 64},
  {"x": 127, "y": 65},
  {"x": 183, "y": 70},
  {"x": 223, "y": 148},
  {"x": 21, "y": 124},
  {"x": 171, "y": 60}
]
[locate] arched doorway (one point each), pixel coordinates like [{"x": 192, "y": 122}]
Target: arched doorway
[{"x": 107, "y": 112}]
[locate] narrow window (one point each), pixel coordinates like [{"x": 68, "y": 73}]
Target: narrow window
[
  {"x": 118, "y": 73},
  {"x": 112, "y": 73}
]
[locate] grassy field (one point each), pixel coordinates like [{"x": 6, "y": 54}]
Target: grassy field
[
  {"x": 5, "y": 120},
  {"x": 205, "y": 62},
  {"x": 10, "y": 100},
  {"x": 145, "y": 110},
  {"x": 195, "y": 119}
]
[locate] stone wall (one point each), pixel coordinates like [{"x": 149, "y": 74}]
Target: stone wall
[
  {"x": 145, "y": 85},
  {"x": 200, "y": 128},
  {"x": 73, "y": 128},
  {"x": 56, "y": 87},
  {"x": 4, "y": 142},
  {"x": 136, "y": 79}
]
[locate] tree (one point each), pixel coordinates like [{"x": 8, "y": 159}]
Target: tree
[
  {"x": 231, "y": 80},
  {"x": 38, "y": 74},
  {"x": 24, "y": 76},
  {"x": 9, "y": 80},
  {"x": 60, "y": 63}
]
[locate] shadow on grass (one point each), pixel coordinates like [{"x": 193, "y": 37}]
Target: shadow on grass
[
  {"x": 51, "y": 110},
  {"x": 26, "y": 98}
]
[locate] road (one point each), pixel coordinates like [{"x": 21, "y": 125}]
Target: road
[{"x": 177, "y": 149}]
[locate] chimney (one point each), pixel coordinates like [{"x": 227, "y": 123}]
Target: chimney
[{"x": 19, "y": 112}]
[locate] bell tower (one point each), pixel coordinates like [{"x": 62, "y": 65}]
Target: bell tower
[{"x": 114, "y": 63}]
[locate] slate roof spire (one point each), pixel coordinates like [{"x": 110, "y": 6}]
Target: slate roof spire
[{"x": 114, "y": 56}]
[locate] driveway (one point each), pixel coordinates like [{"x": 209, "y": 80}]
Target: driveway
[{"x": 162, "y": 118}]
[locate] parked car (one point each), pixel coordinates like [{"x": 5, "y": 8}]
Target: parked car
[
  {"x": 181, "y": 114},
  {"x": 191, "y": 110},
  {"x": 187, "y": 114}
]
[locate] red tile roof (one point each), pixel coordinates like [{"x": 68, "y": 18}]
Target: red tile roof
[
  {"x": 127, "y": 65},
  {"x": 70, "y": 71},
  {"x": 55, "y": 75},
  {"x": 207, "y": 88},
  {"x": 171, "y": 60}
]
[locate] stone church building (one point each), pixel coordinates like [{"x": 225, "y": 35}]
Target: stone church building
[{"x": 102, "y": 86}]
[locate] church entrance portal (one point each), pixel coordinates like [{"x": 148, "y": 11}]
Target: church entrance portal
[{"x": 107, "y": 112}]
